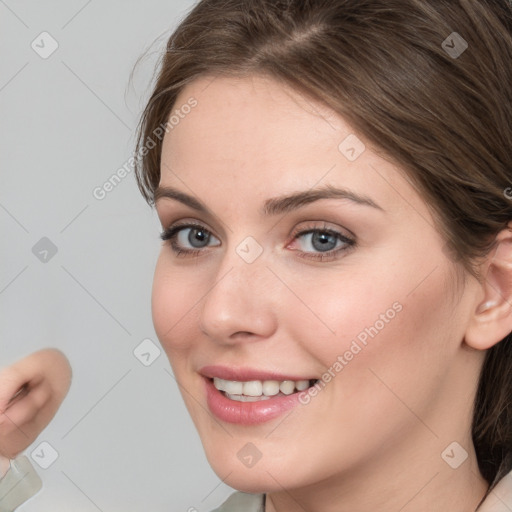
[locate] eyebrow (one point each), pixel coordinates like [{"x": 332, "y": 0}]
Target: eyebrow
[{"x": 275, "y": 205}]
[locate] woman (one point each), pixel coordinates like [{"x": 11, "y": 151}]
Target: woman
[{"x": 334, "y": 291}]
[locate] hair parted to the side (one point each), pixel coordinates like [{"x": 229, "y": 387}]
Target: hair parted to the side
[{"x": 381, "y": 65}]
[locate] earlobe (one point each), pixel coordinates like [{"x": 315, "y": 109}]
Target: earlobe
[{"x": 492, "y": 319}]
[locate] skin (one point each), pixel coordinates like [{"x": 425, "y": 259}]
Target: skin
[
  {"x": 372, "y": 438},
  {"x": 31, "y": 392}
]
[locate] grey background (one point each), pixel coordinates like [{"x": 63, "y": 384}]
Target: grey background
[{"x": 123, "y": 436}]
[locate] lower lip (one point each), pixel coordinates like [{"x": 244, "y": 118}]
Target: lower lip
[{"x": 247, "y": 413}]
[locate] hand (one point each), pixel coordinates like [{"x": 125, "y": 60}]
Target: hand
[{"x": 31, "y": 391}]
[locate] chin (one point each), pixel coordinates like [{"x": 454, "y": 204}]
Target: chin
[
  {"x": 249, "y": 480},
  {"x": 263, "y": 476}
]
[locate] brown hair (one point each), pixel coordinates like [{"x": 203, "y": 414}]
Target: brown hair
[{"x": 395, "y": 70}]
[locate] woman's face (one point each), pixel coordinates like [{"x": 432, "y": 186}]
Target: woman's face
[{"x": 312, "y": 258}]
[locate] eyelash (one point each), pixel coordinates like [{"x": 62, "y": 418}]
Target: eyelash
[{"x": 170, "y": 234}]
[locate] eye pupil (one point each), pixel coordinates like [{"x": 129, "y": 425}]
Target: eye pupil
[
  {"x": 323, "y": 241},
  {"x": 198, "y": 235}
]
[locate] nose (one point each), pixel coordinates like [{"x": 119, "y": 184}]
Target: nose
[{"x": 242, "y": 301}]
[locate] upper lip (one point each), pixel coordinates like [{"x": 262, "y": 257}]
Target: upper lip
[{"x": 246, "y": 374}]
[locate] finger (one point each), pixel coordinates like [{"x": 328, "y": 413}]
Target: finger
[
  {"x": 18, "y": 395},
  {"x": 50, "y": 364},
  {"x": 12, "y": 383},
  {"x": 24, "y": 420}
]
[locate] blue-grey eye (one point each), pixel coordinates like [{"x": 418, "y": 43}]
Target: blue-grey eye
[
  {"x": 193, "y": 237},
  {"x": 321, "y": 241}
]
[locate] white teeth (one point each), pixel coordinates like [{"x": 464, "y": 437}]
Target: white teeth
[
  {"x": 233, "y": 387},
  {"x": 301, "y": 385},
  {"x": 287, "y": 387},
  {"x": 270, "y": 387},
  {"x": 243, "y": 398},
  {"x": 253, "y": 390},
  {"x": 218, "y": 383}
]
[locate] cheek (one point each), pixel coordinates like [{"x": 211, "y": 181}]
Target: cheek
[
  {"x": 174, "y": 295},
  {"x": 391, "y": 346},
  {"x": 382, "y": 321},
  {"x": 337, "y": 311}
]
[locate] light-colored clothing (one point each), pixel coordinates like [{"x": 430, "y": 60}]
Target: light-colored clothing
[
  {"x": 499, "y": 500},
  {"x": 242, "y": 502}
]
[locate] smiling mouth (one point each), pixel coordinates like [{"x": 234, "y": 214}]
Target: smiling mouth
[{"x": 257, "y": 390}]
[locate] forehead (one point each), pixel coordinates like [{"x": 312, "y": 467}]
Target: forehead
[
  {"x": 265, "y": 117},
  {"x": 255, "y": 137}
]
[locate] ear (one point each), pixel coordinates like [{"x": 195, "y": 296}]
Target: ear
[
  {"x": 31, "y": 391},
  {"x": 492, "y": 318}
]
